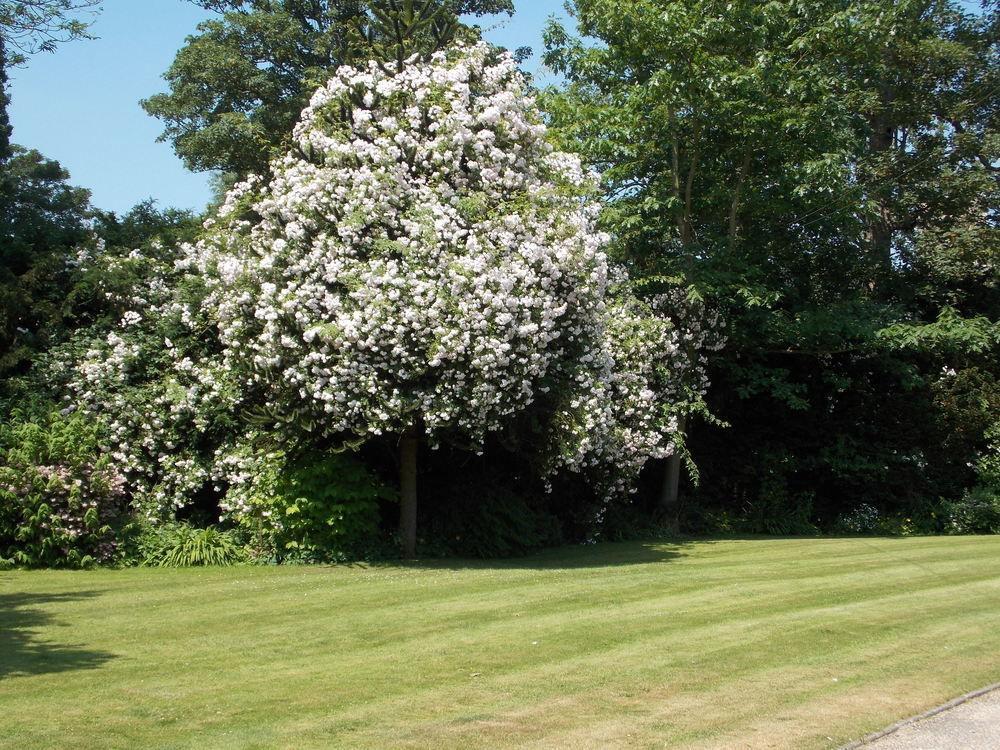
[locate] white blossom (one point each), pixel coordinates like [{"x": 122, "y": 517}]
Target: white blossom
[{"x": 428, "y": 260}]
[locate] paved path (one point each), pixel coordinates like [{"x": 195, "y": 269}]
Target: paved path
[{"x": 972, "y": 725}]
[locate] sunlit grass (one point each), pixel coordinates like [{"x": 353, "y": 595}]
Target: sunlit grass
[{"x": 793, "y": 643}]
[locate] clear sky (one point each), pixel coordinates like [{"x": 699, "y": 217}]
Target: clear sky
[{"x": 80, "y": 105}]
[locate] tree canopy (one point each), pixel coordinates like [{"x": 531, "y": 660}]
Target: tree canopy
[
  {"x": 31, "y": 26},
  {"x": 237, "y": 87}
]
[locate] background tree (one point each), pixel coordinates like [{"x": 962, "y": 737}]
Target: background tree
[
  {"x": 686, "y": 111},
  {"x": 238, "y": 86},
  {"x": 5, "y": 128},
  {"x": 42, "y": 223},
  {"x": 797, "y": 164},
  {"x": 42, "y": 218}
]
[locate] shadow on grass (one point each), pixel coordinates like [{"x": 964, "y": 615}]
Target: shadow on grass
[
  {"x": 23, "y": 652},
  {"x": 601, "y": 555}
]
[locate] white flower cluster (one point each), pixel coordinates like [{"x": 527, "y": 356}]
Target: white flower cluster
[
  {"x": 648, "y": 372},
  {"x": 697, "y": 332},
  {"x": 423, "y": 256},
  {"x": 156, "y": 399},
  {"x": 615, "y": 419}
]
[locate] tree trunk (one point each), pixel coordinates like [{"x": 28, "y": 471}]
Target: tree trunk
[
  {"x": 881, "y": 139},
  {"x": 409, "y": 442},
  {"x": 734, "y": 206},
  {"x": 670, "y": 491},
  {"x": 5, "y": 129},
  {"x": 687, "y": 225}
]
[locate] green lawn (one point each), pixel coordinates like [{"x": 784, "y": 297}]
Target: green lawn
[{"x": 793, "y": 643}]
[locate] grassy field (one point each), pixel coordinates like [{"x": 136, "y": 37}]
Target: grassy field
[{"x": 735, "y": 643}]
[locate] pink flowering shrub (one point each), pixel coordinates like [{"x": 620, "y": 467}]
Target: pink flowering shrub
[{"x": 59, "y": 498}]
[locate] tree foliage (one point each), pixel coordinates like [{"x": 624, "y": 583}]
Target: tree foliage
[
  {"x": 825, "y": 172},
  {"x": 5, "y": 127},
  {"x": 237, "y": 87},
  {"x": 31, "y": 26},
  {"x": 43, "y": 220},
  {"x": 420, "y": 264}
]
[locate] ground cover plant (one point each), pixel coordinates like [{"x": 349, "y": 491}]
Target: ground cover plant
[{"x": 794, "y": 643}]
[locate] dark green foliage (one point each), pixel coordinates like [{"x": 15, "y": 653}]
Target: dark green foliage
[
  {"x": 62, "y": 281},
  {"x": 180, "y": 545},
  {"x": 42, "y": 224},
  {"x": 131, "y": 251},
  {"x": 45, "y": 223},
  {"x": 60, "y": 496},
  {"x": 238, "y": 86},
  {"x": 313, "y": 507},
  {"x": 864, "y": 519},
  {"x": 488, "y": 518},
  {"x": 5, "y": 129},
  {"x": 976, "y": 513},
  {"x": 824, "y": 174},
  {"x": 779, "y": 508},
  {"x": 633, "y": 520},
  {"x": 145, "y": 223}
]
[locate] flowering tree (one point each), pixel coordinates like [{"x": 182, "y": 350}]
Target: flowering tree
[
  {"x": 423, "y": 265},
  {"x": 419, "y": 265},
  {"x": 167, "y": 406}
]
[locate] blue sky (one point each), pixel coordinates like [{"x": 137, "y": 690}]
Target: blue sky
[{"x": 80, "y": 105}]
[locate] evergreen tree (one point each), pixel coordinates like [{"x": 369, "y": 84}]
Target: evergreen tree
[{"x": 237, "y": 87}]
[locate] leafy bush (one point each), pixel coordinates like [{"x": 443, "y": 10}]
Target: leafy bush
[
  {"x": 60, "y": 499},
  {"x": 778, "y": 509},
  {"x": 698, "y": 520},
  {"x": 317, "y": 506},
  {"x": 978, "y": 512},
  {"x": 181, "y": 545},
  {"x": 627, "y": 521}
]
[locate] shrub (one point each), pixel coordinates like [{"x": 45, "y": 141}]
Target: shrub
[
  {"x": 476, "y": 517},
  {"x": 864, "y": 519},
  {"x": 978, "y": 512},
  {"x": 626, "y": 521},
  {"x": 699, "y": 520},
  {"x": 60, "y": 499},
  {"x": 313, "y": 507},
  {"x": 779, "y": 509}
]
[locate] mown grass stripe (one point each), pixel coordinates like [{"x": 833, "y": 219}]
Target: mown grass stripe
[{"x": 610, "y": 645}]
